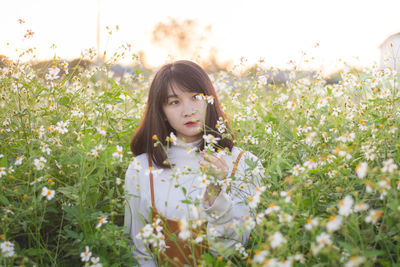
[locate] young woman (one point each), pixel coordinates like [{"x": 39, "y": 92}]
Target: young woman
[{"x": 188, "y": 184}]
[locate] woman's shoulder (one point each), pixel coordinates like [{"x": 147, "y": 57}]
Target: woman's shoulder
[
  {"x": 136, "y": 171},
  {"x": 139, "y": 162},
  {"x": 142, "y": 157}
]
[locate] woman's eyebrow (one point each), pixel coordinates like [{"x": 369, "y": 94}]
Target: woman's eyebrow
[{"x": 172, "y": 96}]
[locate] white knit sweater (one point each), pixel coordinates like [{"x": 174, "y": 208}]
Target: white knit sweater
[{"x": 228, "y": 209}]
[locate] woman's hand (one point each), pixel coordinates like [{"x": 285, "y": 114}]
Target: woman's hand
[{"x": 215, "y": 165}]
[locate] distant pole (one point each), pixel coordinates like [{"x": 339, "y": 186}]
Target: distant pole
[{"x": 99, "y": 57}]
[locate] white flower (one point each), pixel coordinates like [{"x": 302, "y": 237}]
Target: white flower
[
  {"x": 254, "y": 200},
  {"x": 322, "y": 102},
  {"x": 385, "y": 184},
  {"x": 101, "y": 131},
  {"x": 110, "y": 107},
  {"x": 119, "y": 154},
  {"x": 61, "y": 127},
  {"x": 361, "y": 207},
  {"x": 345, "y": 206},
  {"x": 369, "y": 152},
  {"x": 260, "y": 256},
  {"x": 209, "y": 99},
  {"x": 118, "y": 181},
  {"x": 7, "y": 248},
  {"x": 95, "y": 152},
  {"x": 355, "y": 261},
  {"x": 45, "y": 149},
  {"x": 250, "y": 139},
  {"x": 297, "y": 170},
  {"x": 75, "y": 112},
  {"x": 276, "y": 240},
  {"x": 389, "y": 166},
  {"x": 309, "y": 140},
  {"x": 310, "y": 164},
  {"x": 285, "y": 217},
  {"x": 334, "y": 223},
  {"x": 204, "y": 181},
  {"x": 298, "y": 257},
  {"x": 95, "y": 262},
  {"x": 210, "y": 139},
  {"x": 239, "y": 247},
  {"x": 145, "y": 232},
  {"x": 152, "y": 234},
  {"x": 346, "y": 138},
  {"x": 369, "y": 187},
  {"x": 249, "y": 223},
  {"x": 39, "y": 163},
  {"x": 48, "y": 193},
  {"x": 10, "y": 170},
  {"x": 324, "y": 239},
  {"x": 102, "y": 220},
  {"x": 311, "y": 223},
  {"x": 85, "y": 256},
  {"x": 373, "y": 216},
  {"x": 18, "y": 160},
  {"x": 290, "y": 105},
  {"x": 198, "y": 239},
  {"x": 2, "y": 171},
  {"x": 184, "y": 232},
  {"x": 259, "y": 217},
  {"x": 172, "y": 138},
  {"x": 272, "y": 208},
  {"x": 362, "y": 169},
  {"x": 221, "y": 126},
  {"x": 281, "y": 98},
  {"x": 189, "y": 149},
  {"x": 286, "y": 195},
  {"x": 194, "y": 212},
  {"x": 52, "y": 73},
  {"x": 393, "y": 129}
]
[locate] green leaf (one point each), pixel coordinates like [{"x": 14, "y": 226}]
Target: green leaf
[
  {"x": 4, "y": 200},
  {"x": 346, "y": 246},
  {"x": 184, "y": 190},
  {"x": 64, "y": 100},
  {"x": 69, "y": 192},
  {"x": 32, "y": 251},
  {"x": 374, "y": 253}
]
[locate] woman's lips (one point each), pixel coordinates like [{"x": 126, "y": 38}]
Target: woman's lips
[{"x": 191, "y": 123}]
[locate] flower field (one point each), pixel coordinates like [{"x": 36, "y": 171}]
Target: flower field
[{"x": 330, "y": 192}]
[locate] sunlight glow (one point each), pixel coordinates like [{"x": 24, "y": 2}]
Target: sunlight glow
[{"x": 276, "y": 31}]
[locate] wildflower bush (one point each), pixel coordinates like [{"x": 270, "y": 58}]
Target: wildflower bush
[{"x": 330, "y": 152}]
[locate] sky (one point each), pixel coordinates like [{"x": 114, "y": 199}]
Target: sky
[{"x": 311, "y": 33}]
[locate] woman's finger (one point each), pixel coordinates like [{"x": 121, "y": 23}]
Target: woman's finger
[
  {"x": 215, "y": 159},
  {"x": 220, "y": 172}
]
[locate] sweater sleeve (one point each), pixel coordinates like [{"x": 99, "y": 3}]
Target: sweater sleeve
[
  {"x": 227, "y": 216},
  {"x": 136, "y": 213}
]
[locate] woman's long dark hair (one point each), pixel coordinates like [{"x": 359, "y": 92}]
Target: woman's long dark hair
[{"x": 192, "y": 78}]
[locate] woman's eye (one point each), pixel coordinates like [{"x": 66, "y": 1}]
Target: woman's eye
[
  {"x": 174, "y": 102},
  {"x": 196, "y": 97}
]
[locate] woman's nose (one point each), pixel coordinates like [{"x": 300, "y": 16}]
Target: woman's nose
[{"x": 188, "y": 109}]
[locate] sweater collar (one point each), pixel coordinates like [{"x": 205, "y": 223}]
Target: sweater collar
[{"x": 181, "y": 143}]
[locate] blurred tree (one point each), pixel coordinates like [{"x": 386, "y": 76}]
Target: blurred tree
[
  {"x": 4, "y": 61},
  {"x": 187, "y": 39}
]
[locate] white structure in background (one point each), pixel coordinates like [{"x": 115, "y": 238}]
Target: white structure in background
[{"x": 390, "y": 52}]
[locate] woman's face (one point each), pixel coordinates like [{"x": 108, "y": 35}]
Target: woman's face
[{"x": 185, "y": 113}]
